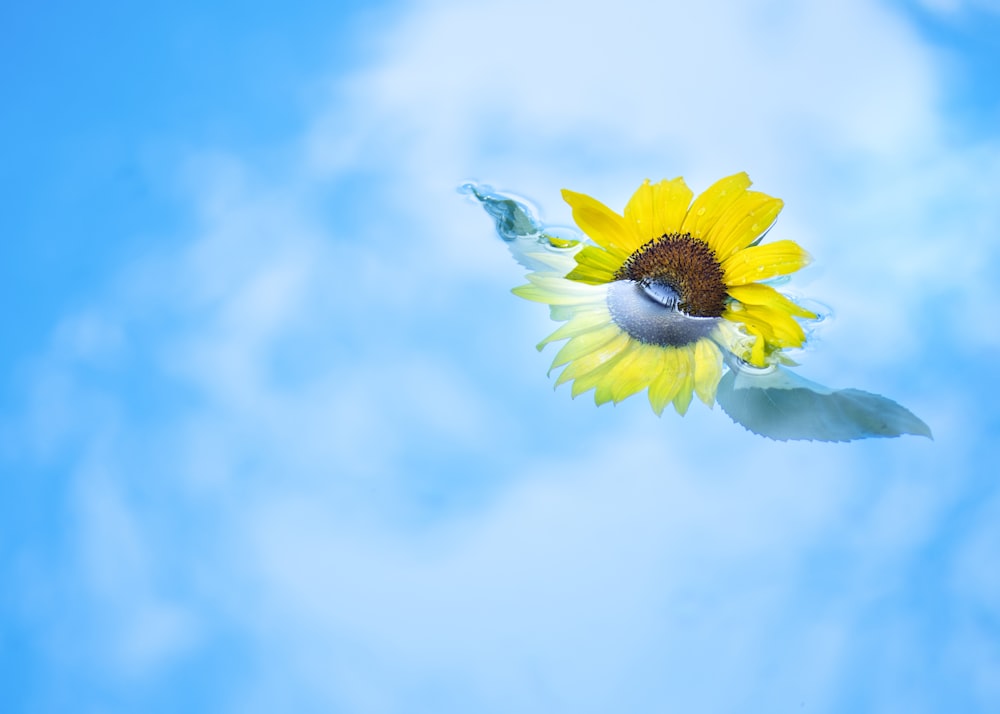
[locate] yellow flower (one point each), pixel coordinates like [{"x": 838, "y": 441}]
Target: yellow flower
[{"x": 668, "y": 291}]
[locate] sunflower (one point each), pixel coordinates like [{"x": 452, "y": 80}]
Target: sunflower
[{"x": 669, "y": 292}]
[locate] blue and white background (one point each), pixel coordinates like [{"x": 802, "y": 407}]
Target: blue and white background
[{"x": 273, "y": 432}]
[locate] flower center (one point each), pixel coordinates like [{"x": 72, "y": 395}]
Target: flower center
[
  {"x": 670, "y": 292},
  {"x": 684, "y": 265}
]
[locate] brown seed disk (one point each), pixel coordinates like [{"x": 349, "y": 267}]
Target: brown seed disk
[{"x": 686, "y": 265}]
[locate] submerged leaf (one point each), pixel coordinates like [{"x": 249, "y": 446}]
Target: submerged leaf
[
  {"x": 531, "y": 244},
  {"x": 512, "y": 218},
  {"x": 781, "y": 405}
]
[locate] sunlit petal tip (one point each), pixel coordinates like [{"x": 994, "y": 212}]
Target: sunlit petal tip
[
  {"x": 602, "y": 394},
  {"x": 683, "y": 400},
  {"x": 659, "y": 401},
  {"x": 563, "y": 377},
  {"x": 707, "y": 371}
]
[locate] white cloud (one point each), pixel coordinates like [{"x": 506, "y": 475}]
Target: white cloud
[
  {"x": 701, "y": 85},
  {"x": 114, "y": 612},
  {"x": 579, "y": 575}
]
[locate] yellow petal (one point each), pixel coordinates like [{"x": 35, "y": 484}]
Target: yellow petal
[
  {"x": 756, "y": 356},
  {"x": 595, "y": 266},
  {"x": 658, "y": 209},
  {"x": 685, "y": 380},
  {"x": 590, "y": 276},
  {"x": 664, "y": 386},
  {"x": 743, "y": 223},
  {"x": 611, "y": 375},
  {"x": 777, "y": 327},
  {"x": 594, "y": 360},
  {"x": 593, "y": 379},
  {"x": 632, "y": 373},
  {"x": 558, "y": 283},
  {"x": 760, "y": 294},
  {"x": 707, "y": 370},
  {"x": 761, "y": 262},
  {"x": 604, "y": 226},
  {"x": 585, "y": 383},
  {"x": 710, "y": 206},
  {"x": 740, "y": 314}
]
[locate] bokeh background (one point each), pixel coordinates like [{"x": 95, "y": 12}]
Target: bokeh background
[{"x": 273, "y": 432}]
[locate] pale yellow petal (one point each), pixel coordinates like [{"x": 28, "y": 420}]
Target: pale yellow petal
[
  {"x": 685, "y": 379},
  {"x": 592, "y": 379},
  {"x": 558, "y": 283},
  {"x": 586, "y": 343},
  {"x": 588, "y": 376},
  {"x": 762, "y": 262},
  {"x": 644, "y": 369},
  {"x": 585, "y": 383},
  {"x": 556, "y": 262},
  {"x": 630, "y": 374},
  {"x": 536, "y": 294},
  {"x": 612, "y": 375},
  {"x": 556, "y": 290},
  {"x": 707, "y": 370},
  {"x": 664, "y": 386},
  {"x": 711, "y": 205},
  {"x": 583, "y": 321},
  {"x": 594, "y": 360},
  {"x": 561, "y": 313},
  {"x": 732, "y": 337}
]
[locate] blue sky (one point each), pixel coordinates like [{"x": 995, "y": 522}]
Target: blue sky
[{"x": 273, "y": 431}]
